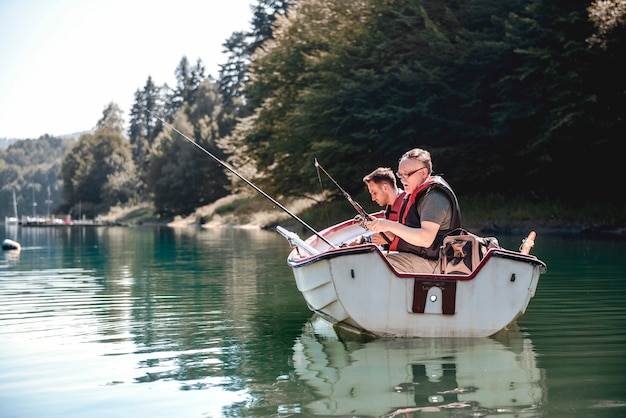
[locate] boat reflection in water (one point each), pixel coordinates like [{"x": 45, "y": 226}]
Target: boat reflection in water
[{"x": 402, "y": 377}]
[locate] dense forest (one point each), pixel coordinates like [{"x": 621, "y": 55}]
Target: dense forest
[{"x": 516, "y": 98}]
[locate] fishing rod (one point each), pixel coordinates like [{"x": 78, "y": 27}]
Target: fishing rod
[
  {"x": 245, "y": 180},
  {"x": 364, "y": 215}
]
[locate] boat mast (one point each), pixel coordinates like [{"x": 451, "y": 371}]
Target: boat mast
[
  {"x": 14, "y": 205},
  {"x": 48, "y": 201},
  {"x": 34, "y": 202}
]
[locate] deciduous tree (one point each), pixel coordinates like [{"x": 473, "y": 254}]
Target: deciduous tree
[{"x": 99, "y": 172}]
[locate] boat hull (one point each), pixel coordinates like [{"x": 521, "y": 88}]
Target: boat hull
[{"x": 355, "y": 287}]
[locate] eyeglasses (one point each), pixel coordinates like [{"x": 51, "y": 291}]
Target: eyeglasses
[{"x": 407, "y": 175}]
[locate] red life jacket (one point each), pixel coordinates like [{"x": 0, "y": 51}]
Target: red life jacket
[
  {"x": 393, "y": 212},
  {"x": 410, "y": 217}
]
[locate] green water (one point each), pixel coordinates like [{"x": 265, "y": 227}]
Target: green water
[{"x": 130, "y": 322}]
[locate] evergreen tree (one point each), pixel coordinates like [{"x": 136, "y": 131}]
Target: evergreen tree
[
  {"x": 144, "y": 127},
  {"x": 241, "y": 46},
  {"x": 233, "y": 74},
  {"x": 264, "y": 14},
  {"x": 188, "y": 81}
]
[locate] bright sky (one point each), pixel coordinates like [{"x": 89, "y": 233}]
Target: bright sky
[{"x": 63, "y": 61}]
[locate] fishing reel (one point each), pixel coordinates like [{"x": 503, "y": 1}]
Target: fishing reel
[{"x": 361, "y": 220}]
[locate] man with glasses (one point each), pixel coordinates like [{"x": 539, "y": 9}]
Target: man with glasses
[{"x": 432, "y": 210}]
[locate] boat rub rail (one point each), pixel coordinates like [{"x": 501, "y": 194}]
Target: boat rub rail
[{"x": 366, "y": 248}]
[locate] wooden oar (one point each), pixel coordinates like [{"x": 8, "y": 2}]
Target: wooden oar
[{"x": 528, "y": 243}]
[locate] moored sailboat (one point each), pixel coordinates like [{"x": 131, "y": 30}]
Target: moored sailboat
[{"x": 12, "y": 220}]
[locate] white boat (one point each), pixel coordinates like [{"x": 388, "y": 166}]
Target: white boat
[
  {"x": 11, "y": 220},
  {"x": 493, "y": 376},
  {"x": 355, "y": 287}
]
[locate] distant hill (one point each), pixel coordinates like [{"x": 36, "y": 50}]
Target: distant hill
[
  {"x": 7, "y": 142},
  {"x": 30, "y": 168},
  {"x": 75, "y": 136}
]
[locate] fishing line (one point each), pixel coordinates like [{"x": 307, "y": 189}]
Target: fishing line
[
  {"x": 364, "y": 215},
  {"x": 319, "y": 178},
  {"x": 245, "y": 180}
]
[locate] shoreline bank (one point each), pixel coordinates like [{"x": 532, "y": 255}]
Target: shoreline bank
[{"x": 244, "y": 211}]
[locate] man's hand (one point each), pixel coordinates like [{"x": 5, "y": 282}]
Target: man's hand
[
  {"x": 379, "y": 240},
  {"x": 377, "y": 224}
]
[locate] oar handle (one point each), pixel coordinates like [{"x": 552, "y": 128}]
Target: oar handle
[{"x": 528, "y": 243}]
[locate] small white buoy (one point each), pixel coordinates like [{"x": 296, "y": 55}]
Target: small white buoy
[{"x": 9, "y": 244}]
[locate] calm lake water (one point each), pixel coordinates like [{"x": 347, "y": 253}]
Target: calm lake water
[{"x": 160, "y": 322}]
